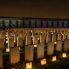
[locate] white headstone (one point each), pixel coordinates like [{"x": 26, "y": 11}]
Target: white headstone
[
  {"x": 49, "y": 37},
  {"x": 33, "y": 39},
  {"x": 50, "y": 48},
  {"x": 46, "y": 38},
  {"x": 59, "y": 36},
  {"x": 14, "y": 38},
  {"x": 40, "y": 51},
  {"x": 28, "y": 39},
  {"x": 52, "y": 37},
  {"x": 36, "y": 39},
  {"x": 29, "y": 53},
  {"x": 59, "y": 45},
  {"x": 14, "y": 55},
  {"x": 40, "y": 38}
]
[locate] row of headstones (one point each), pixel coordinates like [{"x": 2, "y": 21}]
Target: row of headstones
[
  {"x": 41, "y": 38},
  {"x": 29, "y": 52},
  {"x": 50, "y": 49},
  {"x": 36, "y": 39}
]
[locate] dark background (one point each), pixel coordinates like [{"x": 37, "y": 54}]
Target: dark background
[{"x": 35, "y": 8}]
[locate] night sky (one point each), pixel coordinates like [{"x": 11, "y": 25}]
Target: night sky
[{"x": 35, "y": 8}]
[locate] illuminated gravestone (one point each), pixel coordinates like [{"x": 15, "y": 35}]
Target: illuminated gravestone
[
  {"x": 0, "y": 34},
  {"x": 68, "y": 35},
  {"x": 3, "y": 35},
  {"x": 59, "y": 46},
  {"x": 40, "y": 38},
  {"x": 14, "y": 38},
  {"x": 2, "y": 43},
  {"x": 50, "y": 48},
  {"x": 20, "y": 39},
  {"x": 7, "y": 42},
  {"x": 54, "y": 38},
  {"x": 29, "y": 53},
  {"x": 31, "y": 32},
  {"x": 40, "y": 50},
  {"x": 66, "y": 45},
  {"x": 14, "y": 55},
  {"x": 36, "y": 38},
  {"x": 28, "y": 40},
  {"x": 49, "y": 37},
  {"x": 11, "y": 41},
  {"x": 59, "y": 36},
  {"x": 1, "y": 59},
  {"x": 63, "y": 37},
  {"x": 43, "y": 38},
  {"x": 20, "y": 42},
  {"x": 10, "y": 33},
  {"x": 32, "y": 39}
]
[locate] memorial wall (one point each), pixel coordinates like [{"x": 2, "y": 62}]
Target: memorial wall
[{"x": 14, "y": 22}]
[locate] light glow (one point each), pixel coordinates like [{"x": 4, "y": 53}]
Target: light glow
[
  {"x": 54, "y": 58},
  {"x": 55, "y": 42},
  {"x": 43, "y": 61},
  {"x": 64, "y": 55},
  {"x": 29, "y": 65},
  {"x": 7, "y": 49},
  {"x": 35, "y": 45},
  {"x": 13, "y": 68},
  {"x": 6, "y": 41}
]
